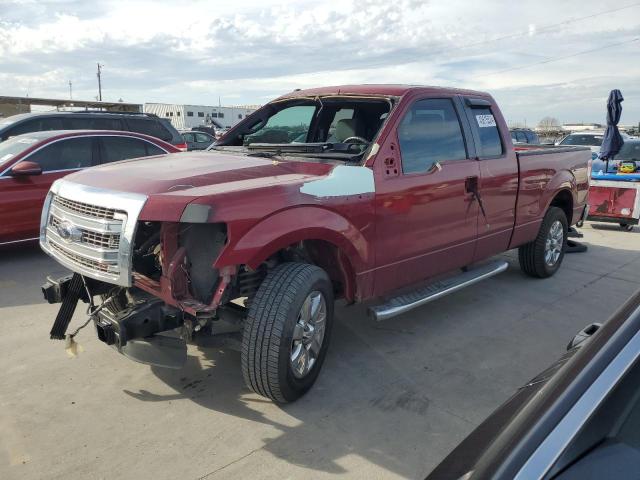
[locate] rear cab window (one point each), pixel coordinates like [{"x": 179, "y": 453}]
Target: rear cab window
[{"x": 485, "y": 128}]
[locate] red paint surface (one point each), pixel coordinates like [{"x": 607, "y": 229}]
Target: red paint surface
[
  {"x": 412, "y": 228},
  {"x": 22, "y": 198}
]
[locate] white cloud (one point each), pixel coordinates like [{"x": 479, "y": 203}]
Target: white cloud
[{"x": 250, "y": 51}]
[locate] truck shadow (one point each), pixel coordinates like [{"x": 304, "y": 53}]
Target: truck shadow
[
  {"x": 402, "y": 393},
  {"x": 360, "y": 405}
]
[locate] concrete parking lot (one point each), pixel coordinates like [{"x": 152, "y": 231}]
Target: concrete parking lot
[{"x": 392, "y": 400}]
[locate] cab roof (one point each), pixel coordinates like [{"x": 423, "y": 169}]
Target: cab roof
[{"x": 385, "y": 90}]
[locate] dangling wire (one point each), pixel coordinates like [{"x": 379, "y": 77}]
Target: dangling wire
[{"x": 92, "y": 310}]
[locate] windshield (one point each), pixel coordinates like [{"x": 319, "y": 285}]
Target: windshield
[
  {"x": 586, "y": 140},
  {"x": 12, "y": 147},
  {"x": 326, "y": 126}
]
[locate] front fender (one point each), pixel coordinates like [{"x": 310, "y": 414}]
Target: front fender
[{"x": 293, "y": 225}]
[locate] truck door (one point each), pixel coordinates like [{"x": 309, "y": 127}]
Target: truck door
[
  {"x": 498, "y": 183},
  {"x": 426, "y": 217}
]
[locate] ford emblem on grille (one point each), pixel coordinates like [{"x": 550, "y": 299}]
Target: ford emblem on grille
[{"x": 69, "y": 232}]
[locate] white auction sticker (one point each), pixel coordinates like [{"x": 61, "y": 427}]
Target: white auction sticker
[{"x": 486, "y": 121}]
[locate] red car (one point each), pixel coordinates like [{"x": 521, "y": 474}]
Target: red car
[
  {"x": 30, "y": 163},
  {"x": 357, "y": 192}
]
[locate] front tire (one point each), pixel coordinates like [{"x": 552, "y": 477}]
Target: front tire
[
  {"x": 287, "y": 330},
  {"x": 542, "y": 257}
]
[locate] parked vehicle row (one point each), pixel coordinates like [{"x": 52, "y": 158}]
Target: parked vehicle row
[
  {"x": 524, "y": 135},
  {"x": 196, "y": 140},
  {"x": 30, "y": 163},
  {"x": 354, "y": 192},
  {"x": 144, "y": 123}
]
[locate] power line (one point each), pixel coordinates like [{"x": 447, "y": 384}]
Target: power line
[
  {"x": 543, "y": 28},
  {"x": 563, "y": 57}
]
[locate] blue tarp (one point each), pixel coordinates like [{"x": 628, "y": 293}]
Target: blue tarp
[{"x": 612, "y": 141}]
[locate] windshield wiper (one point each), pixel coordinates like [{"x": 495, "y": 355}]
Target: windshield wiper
[{"x": 263, "y": 154}]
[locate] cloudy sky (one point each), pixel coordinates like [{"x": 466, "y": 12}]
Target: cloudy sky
[{"x": 538, "y": 58}]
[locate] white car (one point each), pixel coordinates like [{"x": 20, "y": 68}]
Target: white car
[{"x": 591, "y": 139}]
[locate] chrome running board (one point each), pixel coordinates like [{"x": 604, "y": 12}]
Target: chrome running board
[{"x": 403, "y": 303}]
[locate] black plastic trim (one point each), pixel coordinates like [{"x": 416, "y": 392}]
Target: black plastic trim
[{"x": 196, "y": 213}]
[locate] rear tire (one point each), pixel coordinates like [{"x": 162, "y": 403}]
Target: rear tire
[
  {"x": 543, "y": 256},
  {"x": 286, "y": 332}
]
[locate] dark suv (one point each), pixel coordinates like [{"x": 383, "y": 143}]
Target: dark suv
[{"x": 91, "y": 120}]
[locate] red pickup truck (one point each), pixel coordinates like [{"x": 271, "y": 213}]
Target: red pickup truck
[{"x": 393, "y": 194}]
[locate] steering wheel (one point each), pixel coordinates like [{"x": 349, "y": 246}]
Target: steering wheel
[{"x": 355, "y": 139}]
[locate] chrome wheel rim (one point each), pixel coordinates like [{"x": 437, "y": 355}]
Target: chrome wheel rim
[
  {"x": 308, "y": 334},
  {"x": 554, "y": 243}
]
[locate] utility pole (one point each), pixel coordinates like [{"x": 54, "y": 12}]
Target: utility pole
[
  {"x": 99, "y": 82},
  {"x": 70, "y": 91}
]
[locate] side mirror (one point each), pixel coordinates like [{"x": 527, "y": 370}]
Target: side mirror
[
  {"x": 26, "y": 168},
  {"x": 584, "y": 335}
]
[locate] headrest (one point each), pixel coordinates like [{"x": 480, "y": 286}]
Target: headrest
[{"x": 345, "y": 128}]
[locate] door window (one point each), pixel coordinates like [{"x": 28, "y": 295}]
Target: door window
[
  {"x": 430, "y": 132},
  {"x": 92, "y": 123},
  {"x": 202, "y": 138},
  {"x": 122, "y": 148},
  {"x": 149, "y": 127},
  {"x": 153, "y": 150},
  {"x": 188, "y": 137},
  {"x": 36, "y": 125},
  {"x": 65, "y": 154}
]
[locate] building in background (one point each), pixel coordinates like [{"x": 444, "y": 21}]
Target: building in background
[{"x": 185, "y": 117}]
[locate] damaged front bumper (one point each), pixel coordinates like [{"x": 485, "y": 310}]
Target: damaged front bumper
[{"x": 146, "y": 330}]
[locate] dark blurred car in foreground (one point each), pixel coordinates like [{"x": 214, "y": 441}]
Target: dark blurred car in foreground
[
  {"x": 579, "y": 419},
  {"x": 145, "y": 123},
  {"x": 197, "y": 140},
  {"x": 524, "y": 135},
  {"x": 30, "y": 163}
]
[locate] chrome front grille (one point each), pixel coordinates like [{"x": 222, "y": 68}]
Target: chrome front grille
[
  {"x": 85, "y": 209},
  {"x": 108, "y": 241},
  {"x": 83, "y": 261},
  {"x": 93, "y": 236}
]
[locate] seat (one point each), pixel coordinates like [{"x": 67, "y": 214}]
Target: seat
[{"x": 345, "y": 128}]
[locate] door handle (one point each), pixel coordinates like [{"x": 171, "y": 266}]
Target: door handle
[{"x": 471, "y": 185}]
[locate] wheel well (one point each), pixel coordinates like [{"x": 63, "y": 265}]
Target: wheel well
[
  {"x": 564, "y": 200},
  {"x": 327, "y": 256}
]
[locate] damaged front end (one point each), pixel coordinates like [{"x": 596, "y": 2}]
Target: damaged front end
[{"x": 156, "y": 281}]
